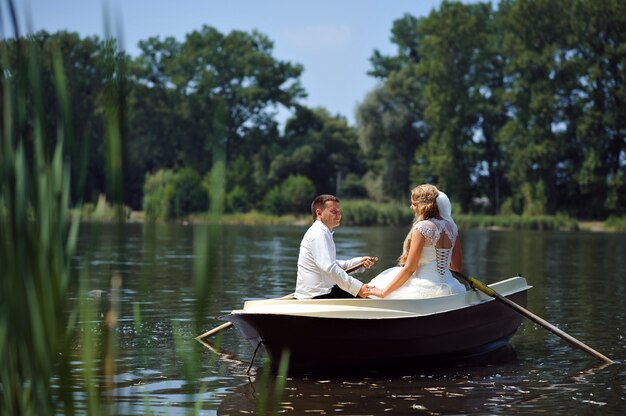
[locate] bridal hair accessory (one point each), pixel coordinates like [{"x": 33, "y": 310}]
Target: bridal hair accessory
[{"x": 444, "y": 206}]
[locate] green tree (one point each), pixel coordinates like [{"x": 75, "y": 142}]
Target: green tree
[
  {"x": 536, "y": 41},
  {"x": 157, "y": 194},
  {"x": 157, "y": 125},
  {"x": 595, "y": 107},
  {"x": 452, "y": 67},
  {"x": 390, "y": 119},
  {"x": 209, "y": 97},
  {"x": 404, "y": 34},
  {"x": 189, "y": 195},
  {"x": 318, "y": 146},
  {"x": 298, "y": 191},
  {"x": 239, "y": 68},
  {"x": 85, "y": 69},
  {"x": 169, "y": 195},
  {"x": 293, "y": 195},
  {"x": 390, "y": 132}
]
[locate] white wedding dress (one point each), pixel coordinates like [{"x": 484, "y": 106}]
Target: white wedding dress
[{"x": 432, "y": 277}]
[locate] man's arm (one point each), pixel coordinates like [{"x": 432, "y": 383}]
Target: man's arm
[
  {"x": 363, "y": 263},
  {"x": 324, "y": 257}
]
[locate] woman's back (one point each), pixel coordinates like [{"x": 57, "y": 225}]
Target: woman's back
[{"x": 440, "y": 236}]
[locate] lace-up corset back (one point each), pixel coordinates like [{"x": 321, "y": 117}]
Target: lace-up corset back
[{"x": 440, "y": 235}]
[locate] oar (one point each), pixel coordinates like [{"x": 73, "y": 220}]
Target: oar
[
  {"x": 474, "y": 283},
  {"x": 214, "y": 330},
  {"x": 358, "y": 266}
]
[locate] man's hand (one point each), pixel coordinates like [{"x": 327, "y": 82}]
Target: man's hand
[
  {"x": 370, "y": 290},
  {"x": 365, "y": 291},
  {"x": 366, "y": 262},
  {"x": 369, "y": 261}
]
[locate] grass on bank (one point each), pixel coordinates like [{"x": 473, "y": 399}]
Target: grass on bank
[{"x": 367, "y": 213}]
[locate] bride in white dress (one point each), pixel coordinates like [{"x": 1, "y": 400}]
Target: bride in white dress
[{"x": 431, "y": 249}]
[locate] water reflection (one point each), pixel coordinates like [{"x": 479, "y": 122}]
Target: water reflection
[
  {"x": 469, "y": 387},
  {"x": 498, "y": 384}
]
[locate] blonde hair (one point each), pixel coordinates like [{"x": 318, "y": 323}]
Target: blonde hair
[{"x": 424, "y": 197}]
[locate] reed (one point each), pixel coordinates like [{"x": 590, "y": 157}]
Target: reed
[
  {"x": 39, "y": 328},
  {"x": 44, "y": 339},
  {"x": 37, "y": 238}
]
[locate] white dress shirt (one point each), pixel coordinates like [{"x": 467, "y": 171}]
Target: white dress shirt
[{"x": 318, "y": 267}]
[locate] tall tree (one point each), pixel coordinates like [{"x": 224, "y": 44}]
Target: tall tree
[
  {"x": 211, "y": 95},
  {"x": 390, "y": 131},
  {"x": 596, "y": 106},
  {"x": 533, "y": 139},
  {"x": 451, "y": 66},
  {"x": 318, "y": 146},
  {"x": 240, "y": 69},
  {"x": 389, "y": 120},
  {"x": 85, "y": 69}
]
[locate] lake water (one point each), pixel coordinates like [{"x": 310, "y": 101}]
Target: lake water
[{"x": 579, "y": 285}]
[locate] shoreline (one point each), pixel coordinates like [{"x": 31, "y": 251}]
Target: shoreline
[{"x": 466, "y": 221}]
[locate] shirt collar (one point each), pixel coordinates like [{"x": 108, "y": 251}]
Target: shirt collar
[{"x": 324, "y": 227}]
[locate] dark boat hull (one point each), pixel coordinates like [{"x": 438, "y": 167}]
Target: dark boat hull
[{"x": 330, "y": 342}]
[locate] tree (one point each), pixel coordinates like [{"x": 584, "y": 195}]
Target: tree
[
  {"x": 84, "y": 69},
  {"x": 390, "y": 132},
  {"x": 595, "y": 107},
  {"x": 452, "y": 72},
  {"x": 533, "y": 142},
  {"x": 210, "y": 97},
  {"x": 240, "y": 69},
  {"x": 318, "y": 146}
]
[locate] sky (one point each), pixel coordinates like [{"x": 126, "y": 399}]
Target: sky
[{"x": 332, "y": 39}]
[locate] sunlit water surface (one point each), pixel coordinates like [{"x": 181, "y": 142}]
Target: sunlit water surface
[{"x": 578, "y": 284}]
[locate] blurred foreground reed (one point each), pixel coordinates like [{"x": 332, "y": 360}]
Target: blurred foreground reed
[{"x": 45, "y": 340}]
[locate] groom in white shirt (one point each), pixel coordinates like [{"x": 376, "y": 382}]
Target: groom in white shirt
[{"x": 320, "y": 274}]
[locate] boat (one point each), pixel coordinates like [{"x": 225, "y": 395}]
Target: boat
[{"x": 353, "y": 333}]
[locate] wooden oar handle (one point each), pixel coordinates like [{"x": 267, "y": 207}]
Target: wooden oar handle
[
  {"x": 215, "y": 330},
  {"x": 358, "y": 266}
]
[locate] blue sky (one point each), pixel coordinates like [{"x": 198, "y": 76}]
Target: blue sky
[{"x": 332, "y": 39}]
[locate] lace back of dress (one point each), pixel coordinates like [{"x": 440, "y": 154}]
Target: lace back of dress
[
  {"x": 441, "y": 234},
  {"x": 446, "y": 238},
  {"x": 443, "y": 260}
]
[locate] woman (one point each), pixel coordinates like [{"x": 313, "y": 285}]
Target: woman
[{"x": 431, "y": 249}]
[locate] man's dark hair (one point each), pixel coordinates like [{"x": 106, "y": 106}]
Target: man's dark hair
[{"x": 319, "y": 201}]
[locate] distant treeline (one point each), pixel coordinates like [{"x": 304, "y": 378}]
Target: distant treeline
[{"x": 512, "y": 108}]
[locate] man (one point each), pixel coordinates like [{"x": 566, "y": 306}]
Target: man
[{"x": 320, "y": 274}]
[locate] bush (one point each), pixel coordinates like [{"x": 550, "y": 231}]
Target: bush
[
  {"x": 616, "y": 223},
  {"x": 353, "y": 187},
  {"x": 517, "y": 222},
  {"x": 292, "y": 196},
  {"x": 297, "y": 191},
  {"x": 273, "y": 203},
  {"x": 189, "y": 195},
  {"x": 168, "y": 194},
  {"x": 237, "y": 200},
  {"x": 364, "y": 212},
  {"x": 158, "y": 189}
]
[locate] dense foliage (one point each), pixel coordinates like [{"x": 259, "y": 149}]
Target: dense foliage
[
  {"x": 522, "y": 105},
  {"x": 517, "y": 108}
]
